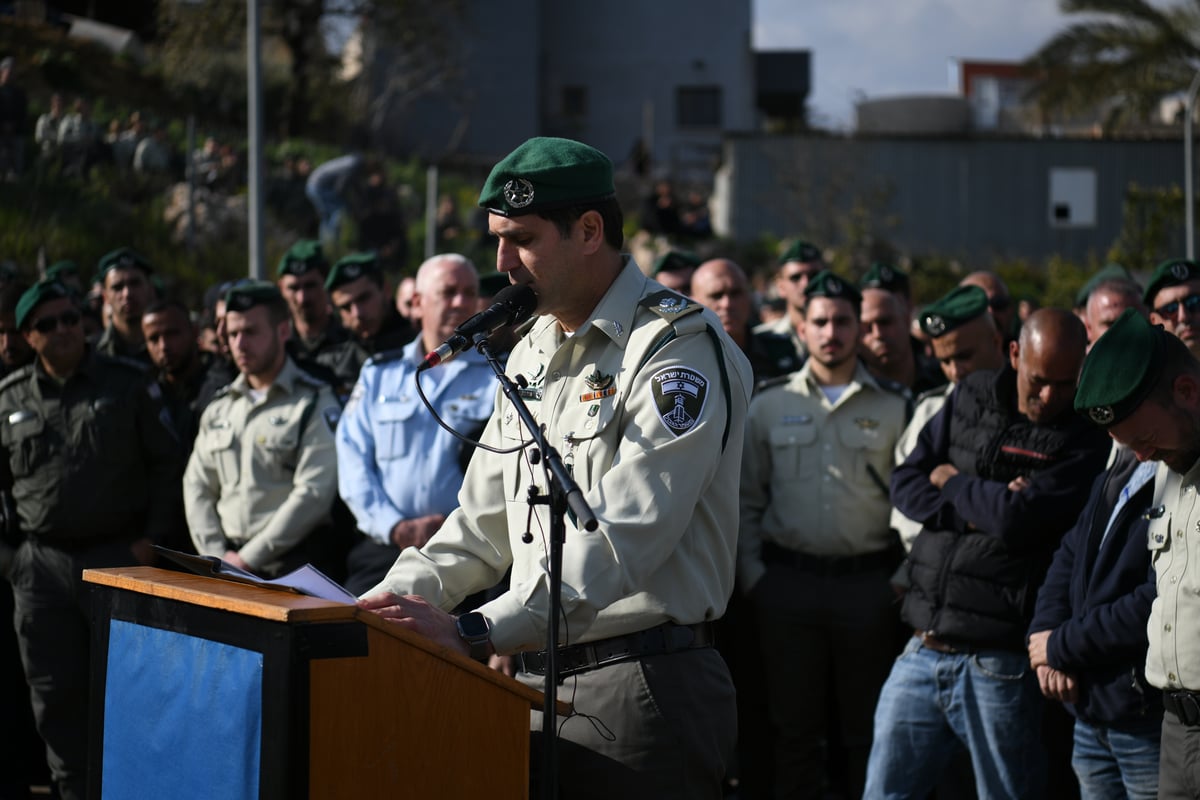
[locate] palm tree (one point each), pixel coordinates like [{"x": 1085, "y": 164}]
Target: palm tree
[{"x": 1125, "y": 56}]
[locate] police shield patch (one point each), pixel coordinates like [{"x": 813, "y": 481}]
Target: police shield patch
[{"x": 679, "y": 393}]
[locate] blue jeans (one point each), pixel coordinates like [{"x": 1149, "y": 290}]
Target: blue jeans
[
  {"x": 329, "y": 205},
  {"x": 933, "y": 703},
  {"x": 1113, "y": 764}
]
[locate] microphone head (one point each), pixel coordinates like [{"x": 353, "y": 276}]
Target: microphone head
[{"x": 520, "y": 301}]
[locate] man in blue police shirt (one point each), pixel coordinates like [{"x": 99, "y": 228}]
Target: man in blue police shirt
[{"x": 398, "y": 470}]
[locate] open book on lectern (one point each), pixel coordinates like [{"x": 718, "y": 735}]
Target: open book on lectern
[{"x": 303, "y": 580}]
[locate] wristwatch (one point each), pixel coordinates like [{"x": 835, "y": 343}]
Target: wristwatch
[{"x": 476, "y": 631}]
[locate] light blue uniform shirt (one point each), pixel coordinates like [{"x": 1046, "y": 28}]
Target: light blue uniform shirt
[{"x": 394, "y": 461}]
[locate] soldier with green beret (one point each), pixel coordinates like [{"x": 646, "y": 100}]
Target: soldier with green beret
[
  {"x": 888, "y": 347},
  {"x": 1142, "y": 385},
  {"x": 66, "y": 272},
  {"x": 262, "y": 477},
  {"x": 674, "y": 269},
  {"x": 318, "y": 337},
  {"x": 356, "y": 288},
  {"x": 124, "y": 275},
  {"x": 800, "y": 261},
  {"x": 89, "y": 465},
  {"x": 891, "y": 279},
  {"x": 1109, "y": 272},
  {"x": 637, "y": 386},
  {"x": 1173, "y": 297},
  {"x": 815, "y": 552},
  {"x": 1106, "y": 300}
]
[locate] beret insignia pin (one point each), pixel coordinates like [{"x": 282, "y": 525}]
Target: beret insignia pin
[
  {"x": 518, "y": 192},
  {"x": 1101, "y": 415}
]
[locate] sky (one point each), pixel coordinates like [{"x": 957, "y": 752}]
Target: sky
[{"x": 881, "y": 48}]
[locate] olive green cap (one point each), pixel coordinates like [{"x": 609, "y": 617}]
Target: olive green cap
[
  {"x": 547, "y": 173},
  {"x": 123, "y": 258},
  {"x": 956, "y": 308},
  {"x": 676, "y": 260},
  {"x": 826, "y": 284},
  {"x": 245, "y": 295},
  {"x": 885, "y": 276},
  {"x": 350, "y": 268},
  {"x": 34, "y": 296},
  {"x": 1108, "y": 273},
  {"x": 1171, "y": 272},
  {"x": 1121, "y": 368},
  {"x": 302, "y": 257},
  {"x": 802, "y": 251}
]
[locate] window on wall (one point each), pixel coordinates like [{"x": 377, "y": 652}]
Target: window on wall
[
  {"x": 698, "y": 106},
  {"x": 1072, "y": 197},
  {"x": 574, "y": 102}
]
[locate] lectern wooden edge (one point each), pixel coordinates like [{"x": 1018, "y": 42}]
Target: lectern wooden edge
[{"x": 351, "y": 705}]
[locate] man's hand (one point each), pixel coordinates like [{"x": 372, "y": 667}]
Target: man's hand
[
  {"x": 1057, "y": 685},
  {"x": 1018, "y": 484},
  {"x": 1037, "y": 648},
  {"x": 941, "y": 474},
  {"x": 232, "y": 557},
  {"x": 418, "y": 615},
  {"x": 416, "y": 532}
]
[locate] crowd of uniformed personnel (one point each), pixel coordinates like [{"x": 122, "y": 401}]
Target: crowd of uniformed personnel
[{"x": 939, "y": 548}]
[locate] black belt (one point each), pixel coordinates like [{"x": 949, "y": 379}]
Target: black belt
[
  {"x": 928, "y": 640},
  {"x": 830, "y": 566},
  {"x": 1184, "y": 705},
  {"x": 656, "y": 641}
]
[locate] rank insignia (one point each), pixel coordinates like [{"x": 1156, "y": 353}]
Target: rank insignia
[
  {"x": 866, "y": 423},
  {"x": 679, "y": 393},
  {"x": 598, "y": 380},
  {"x": 672, "y": 305}
]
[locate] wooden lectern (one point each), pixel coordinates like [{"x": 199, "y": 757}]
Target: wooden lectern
[{"x": 203, "y": 688}]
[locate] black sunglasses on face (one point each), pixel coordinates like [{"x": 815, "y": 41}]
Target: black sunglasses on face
[
  {"x": 1191, "y": 304},
  {"x": 795, "y": 277},
  {"x": 68, "y": 319}
]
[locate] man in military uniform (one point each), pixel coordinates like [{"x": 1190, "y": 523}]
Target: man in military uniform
[
  {"x": 1143, "y": 385},
  {"x": 125, "y": 278},
  {"x": 317, "y": 336},
  {"x": 674, "y": 270},
  {"x": 646, "y": 396},
  {"x": 800, "y": 262},
  {"x": 1173, "y": 297},
  {"x": 1000, "y": 301},
  {"x": 399, "y": 471},
  {"x": 262, "y": 476},
  {"x": 815, "y": 552},
  {"x": 1106, "y": 301},
  {"x": 889, "y": 349},
  {"x": 355, "y": 286},
  {"x": 90, "y": 466},
  {"x": 721, "y": 286}
]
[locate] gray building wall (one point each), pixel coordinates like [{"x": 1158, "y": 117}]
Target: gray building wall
[{"x": 971, "y": 199}]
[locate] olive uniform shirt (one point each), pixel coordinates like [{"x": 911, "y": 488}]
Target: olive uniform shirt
[
  {"x": 815, "y": 473},
  {"x": 646, "y": 404},
  {"x": 263, "y": 474},
  {"x": 1173, "y": 658}
]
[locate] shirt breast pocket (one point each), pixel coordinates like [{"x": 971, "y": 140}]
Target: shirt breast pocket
[
  {"x": 793, "y": 455},
  {"x": 218, "y": 444},
  {"x": 588, "y": 453},
  {"x": 277, "y": 449},
  {"x": 871, "y": 449},
  {"x": 391, "y": 418},
  {"x": 24, "y": 435}
]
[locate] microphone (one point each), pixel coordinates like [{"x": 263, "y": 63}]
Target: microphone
[{"x": 513, "y": 305}]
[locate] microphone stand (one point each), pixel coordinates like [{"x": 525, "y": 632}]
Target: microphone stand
[{"x": 563, "y": 494}]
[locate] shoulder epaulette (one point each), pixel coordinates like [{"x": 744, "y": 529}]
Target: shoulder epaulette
[
  {"x": 771, "y": 383},
  {"x": 669, "y": 305},
  {"x": 384, "y": 356},
  {"x": 895, "y": 387},
  {"x": 224, "y": 390},
  {"x": 16, "y": 376}
]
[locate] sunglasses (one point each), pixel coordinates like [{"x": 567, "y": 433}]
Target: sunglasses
[
  {"x": 68, "y": 319},
  {"x": 796, "y": 277},
  {"x": 1191, "y": 304}
]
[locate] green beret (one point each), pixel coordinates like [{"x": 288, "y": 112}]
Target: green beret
[
  {"x": 958, "y": 307},
  {"x": 1171, "y": 272},
  {"x": 64, "y": 267},
  {"x": 885, "y": 276},
  {"x": 123, "y": 258},
  {"x": 802, "y": 251},
  {"x": 676, "y": 260},
  {"x": 245, "y": 295},
  {"x": 350, "y": 268},
  {"x": 826, "y": 284},
  {"x": 1108, "y": 273},
  {"x": 492, "y": 283},
  {"x": 301, "y": 257},
  {"x": 545, "y": 174},
  {"x": 1121, "y": 368},
  {"x": 37, "y": 294}
]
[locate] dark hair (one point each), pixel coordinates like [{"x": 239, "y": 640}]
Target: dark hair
[
  {"x": 159, "y": 306},
  {"x": 1177, "y": 361},
  {"x": 610, "y": 213}
]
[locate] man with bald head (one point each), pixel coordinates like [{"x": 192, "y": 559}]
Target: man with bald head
[
  {"x": 997, "y": 477},
  {"x": 1106, "y": 301},
  {"x": 999, "y": 300},
  {"x": 721, "y": 285}
]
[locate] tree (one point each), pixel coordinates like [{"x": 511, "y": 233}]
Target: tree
[{"x": 1126, "y": 56}]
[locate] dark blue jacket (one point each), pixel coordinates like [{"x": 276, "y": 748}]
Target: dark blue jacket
[{"x": 1097, "y": 600}]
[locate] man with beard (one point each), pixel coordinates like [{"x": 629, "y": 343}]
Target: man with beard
[
  {"x": 1173, "y": 297},
  {"x": 125, "y": 278},
  {"x": 262, "y": 476},
  {"x": 317, "y": 337},
  {"x": 399, "y": 471},
  {"x": 996, "y": 478},
  {"x": 888, "y": 347},
  {"x": 1143, "y": 385},
  {"x": 355, "y": 286},
  {"x": 799, "y": 263},
  {"x": 815, "y": 552}
]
